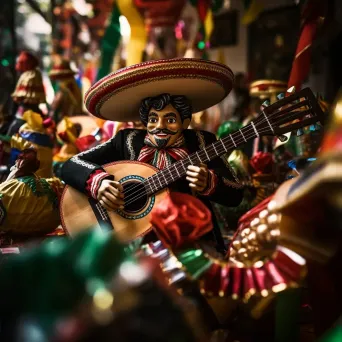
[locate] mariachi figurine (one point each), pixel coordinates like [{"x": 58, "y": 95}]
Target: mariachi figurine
[
  {"x": 164, "y": 94},
  {"x": 29, "y": 92},
  {"x": 68, "y": 99},
  {"x": 34, "y": 134},
  {"x": 28, "y": 203}
]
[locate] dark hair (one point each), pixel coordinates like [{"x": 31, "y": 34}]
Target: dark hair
[{"x": 179, "y": 102}]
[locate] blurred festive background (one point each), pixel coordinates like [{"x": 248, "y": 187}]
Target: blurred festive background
[
  {"x": 257, "y": 39},
  {"x": 93, "y": 288}
]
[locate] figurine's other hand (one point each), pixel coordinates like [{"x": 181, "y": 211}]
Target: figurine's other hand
[
  {"x": 197, "y": 177},
  {"x": 110, "y": 195}
]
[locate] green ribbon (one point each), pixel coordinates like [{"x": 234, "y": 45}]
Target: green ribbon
[
  {"x": 287, "y": 316},
  {"x": 5, "y": 138},
  {"x": 334, "y": 335},
  {"x": 194, "y": 261},
  {"x": 110, "y": 42}
]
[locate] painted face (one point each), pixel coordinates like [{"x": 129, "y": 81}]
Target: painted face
[{"x": 164, "y": 126}]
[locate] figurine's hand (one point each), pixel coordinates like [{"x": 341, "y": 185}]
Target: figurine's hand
[
  {"x": 197, "y": 177},
  {"x": 110, "y": 195}
]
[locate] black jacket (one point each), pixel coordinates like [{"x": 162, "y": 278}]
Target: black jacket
[{"x": 126, "y": 145}]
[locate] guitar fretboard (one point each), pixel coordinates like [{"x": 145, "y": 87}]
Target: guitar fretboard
[{"x": 178, "y": 169}]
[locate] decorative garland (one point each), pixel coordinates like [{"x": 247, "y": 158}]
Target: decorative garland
[
  {"x": 109, "y": 44},
  {"x": 222, "y": 278}
]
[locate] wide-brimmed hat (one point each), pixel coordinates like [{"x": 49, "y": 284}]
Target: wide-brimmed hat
[
  {"x": 62, "y": 70},
  {"x": 30, "y": 88},
  {"x": 88, "y": 124},
  {"x": 118, "y": 96},
  {"x": 265, "y": 88}
]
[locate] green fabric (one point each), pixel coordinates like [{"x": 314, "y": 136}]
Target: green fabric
[
  {"x": 5, "y": 138},
  {"x": 40, "y": 187},
  {"x": 287, "y": 316},
  {"x": 194, "y": 261},
  {"x": 334, "y": 335},
  {"x": 50, "y": 281},
  {"x": 57, "y": 168},
  {"x": 110, "y": 43},
  {"x": 134, "y": 246},
  {"x": 227, "y": 128}
]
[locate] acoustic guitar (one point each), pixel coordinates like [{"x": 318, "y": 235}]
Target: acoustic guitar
[{"x": 145, "y": 186}]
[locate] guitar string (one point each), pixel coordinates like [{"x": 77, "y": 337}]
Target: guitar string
[
  {"x": 211, "y": 149},
  {"x": 250, "y": 129},
  {"x": 131, "y": 200}
]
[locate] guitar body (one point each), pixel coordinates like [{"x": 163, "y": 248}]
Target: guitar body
[{"x": 133, "y": 221}]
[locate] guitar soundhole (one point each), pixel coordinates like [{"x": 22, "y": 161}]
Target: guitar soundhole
[{"x": 135, "y": 196}]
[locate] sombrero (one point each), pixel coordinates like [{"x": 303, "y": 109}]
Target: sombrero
[
  {"x": 265, "y": 88},
  {"x": 118, "y": 96},
  {"x": 88, "y": 124},
  {"x": 62, "y": 70}
]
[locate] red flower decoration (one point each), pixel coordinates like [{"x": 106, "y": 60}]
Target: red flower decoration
[
  {"x": 262, "y": 162},
  {"x": 180, "y": 219}
]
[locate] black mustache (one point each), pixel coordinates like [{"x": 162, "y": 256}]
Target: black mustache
[{"x": 164, "y": 130}]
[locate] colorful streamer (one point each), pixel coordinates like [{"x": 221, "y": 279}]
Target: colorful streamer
[
  {"x": 110, "y": 43},
  {"x": 253, "y": 9},
  {"x": 138, "y": 40},
  {"x": 301, "y": 64}
]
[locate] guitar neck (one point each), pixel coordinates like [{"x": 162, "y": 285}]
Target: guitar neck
[{"x": 178, "y": 169}]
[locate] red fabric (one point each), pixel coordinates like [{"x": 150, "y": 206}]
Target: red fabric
[
  {"x": 90, "y": 189},
  {"x": 160, "y": 159},
  {"x": 49, "y": 123},
  {"x": 301, "y": 64},
  {"x": 179, "y": 219},
  {"x": 262, "y": 162},
  {"x": 147, "y": 154},
  {"x": 332, "y": 141},
  {"x": 63, "y": 136},
  {"x": 212, "y": 183},
  {"x": 202, "y": 8},
  {"x": 26, "y": 61}
]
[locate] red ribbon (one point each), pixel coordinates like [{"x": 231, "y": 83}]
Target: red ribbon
[
  {"x": 262, "y": 162},
  {"x": 180, "y": 219},
  {"x": 202, "y": 8},
  {"x": 301, "y": 64}
]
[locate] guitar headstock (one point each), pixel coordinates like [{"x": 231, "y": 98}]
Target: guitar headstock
[{"x": 290, "y": 113}]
